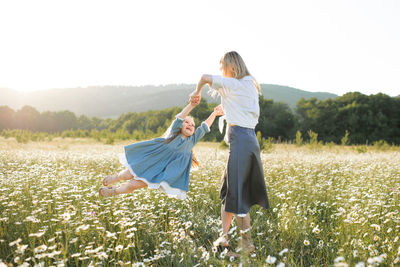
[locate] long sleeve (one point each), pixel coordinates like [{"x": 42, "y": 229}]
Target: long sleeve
[
  {"x": 199, "y": 133},
  {"x": 223, "y": 85},
  {"x": 175, "y": 127}
]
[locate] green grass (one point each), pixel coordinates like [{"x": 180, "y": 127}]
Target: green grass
[{"x": 326, "y": 203}]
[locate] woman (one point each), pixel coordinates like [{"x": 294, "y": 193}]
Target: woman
[{"x": 243, "y": 182}]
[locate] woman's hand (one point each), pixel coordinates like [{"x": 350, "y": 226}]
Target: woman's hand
[
  {"x": 194, "y": 100},
  {"x": 195, "y": 93},
  {"x": 219, "y": 111}
]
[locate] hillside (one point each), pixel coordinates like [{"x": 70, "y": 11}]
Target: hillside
[
  {"x": 290, "y": 95},
  {"x": 111, "y": 101}
]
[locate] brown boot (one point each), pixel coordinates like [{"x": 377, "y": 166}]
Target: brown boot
[
  {"x": 247, "y": 243},
  {"x": 244, "y": 226}
]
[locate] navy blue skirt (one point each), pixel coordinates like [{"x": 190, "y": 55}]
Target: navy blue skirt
[{"x": 243, "y": 183}]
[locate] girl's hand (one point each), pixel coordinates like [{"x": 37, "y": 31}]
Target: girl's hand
[
  {"x": 219, "y": 111},
  {"x": 195, "y": 97},
  {"x": 194, "y": 100}
]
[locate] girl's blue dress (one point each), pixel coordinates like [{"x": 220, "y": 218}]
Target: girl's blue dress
[{"x": 164, "y": 166}]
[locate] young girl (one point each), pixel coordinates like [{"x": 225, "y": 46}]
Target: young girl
[{"x": 162, "y": 163}]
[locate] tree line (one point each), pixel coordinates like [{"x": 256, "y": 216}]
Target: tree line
[{"x": 360, "y": 118}]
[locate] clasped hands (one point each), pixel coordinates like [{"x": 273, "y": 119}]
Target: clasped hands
[{"x": 195, "y": 98}]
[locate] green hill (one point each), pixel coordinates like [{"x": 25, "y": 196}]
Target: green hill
[
  {"x": 290, "y": 95},
  {"x": 112, "y": 101}
]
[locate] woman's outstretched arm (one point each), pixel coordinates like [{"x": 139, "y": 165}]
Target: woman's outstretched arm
[{"x": 205, "y": 79}]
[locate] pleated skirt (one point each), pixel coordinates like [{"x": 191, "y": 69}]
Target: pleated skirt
[{"x": 243, "y": 183}]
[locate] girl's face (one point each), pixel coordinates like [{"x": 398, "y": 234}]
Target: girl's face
[{"x": 187, "y": 127}]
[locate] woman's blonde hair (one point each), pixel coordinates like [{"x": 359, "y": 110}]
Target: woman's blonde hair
[
  {"x": 168, "y": 139},
  {"x": 239, "y": 69}
]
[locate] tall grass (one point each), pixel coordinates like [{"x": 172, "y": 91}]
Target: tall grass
[{"x": 328, "y": 207}]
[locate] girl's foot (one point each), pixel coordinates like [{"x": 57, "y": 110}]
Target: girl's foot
[
  {"x": 110, "y": 179},
  {"x": 107, "y": 191}
]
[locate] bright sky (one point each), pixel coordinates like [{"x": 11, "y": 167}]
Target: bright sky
[{"x": 333, "y": 46}]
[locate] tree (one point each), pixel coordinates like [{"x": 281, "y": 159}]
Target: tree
[
  {"x": 27, "y": 118},
  {"x": 6, "y": 118},
  {"x": 276, "y": 120},
  {"x": 367, "y": 118}
]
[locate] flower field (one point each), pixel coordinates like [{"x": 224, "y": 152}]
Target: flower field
[{"x": 331, "y": 206}]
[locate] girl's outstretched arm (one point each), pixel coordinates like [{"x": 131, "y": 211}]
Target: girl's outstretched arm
[
  {"x": 217, "y": 112},
  {"x": 205, "y": 125}
]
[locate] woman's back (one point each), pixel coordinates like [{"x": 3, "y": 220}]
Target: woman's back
[{"x": 239, "y": 99}]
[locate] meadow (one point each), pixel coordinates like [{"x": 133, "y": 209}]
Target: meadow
[{"x": 330, "y": 206}]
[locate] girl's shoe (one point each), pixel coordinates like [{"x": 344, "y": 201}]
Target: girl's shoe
[
  {"x": 110, "y": 179},
  {"x": 107, "y": 191}
]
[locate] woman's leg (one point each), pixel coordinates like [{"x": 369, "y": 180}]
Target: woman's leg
[
  {"x": 226, "y": 218},
  {"x": 245, "y": 227},
  {"x": 244, "y": 222},
  {"x": 130, "y": 186}
]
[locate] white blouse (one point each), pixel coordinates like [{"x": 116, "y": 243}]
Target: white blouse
[{"x": 239, "y": 99}]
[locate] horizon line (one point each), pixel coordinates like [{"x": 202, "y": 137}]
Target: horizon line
[{"x": 21, "y": 91}]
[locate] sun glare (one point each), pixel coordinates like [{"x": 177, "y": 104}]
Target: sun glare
[{"x": 135, "y": 43}]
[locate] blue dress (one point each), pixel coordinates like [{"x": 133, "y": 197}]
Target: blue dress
[{"x": 164, "y": 166}]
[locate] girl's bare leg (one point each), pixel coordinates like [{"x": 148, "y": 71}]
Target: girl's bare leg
[
  {"x": 122, "y": 176},
  {"x": 130, "y": 186},
  {"x": 125, "y": 175}
]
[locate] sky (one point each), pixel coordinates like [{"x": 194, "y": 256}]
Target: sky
[{"x": 327, "y": 46}]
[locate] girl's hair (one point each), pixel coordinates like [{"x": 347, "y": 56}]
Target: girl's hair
[
  {"x": 239, "y": 68},
  {"x": 195, "y": 163}
]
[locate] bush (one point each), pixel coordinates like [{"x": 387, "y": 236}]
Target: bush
[
  {"x": 261, "y": 140},
  {"x": 268, "y": 144},
  {"x": 265, "y": 144},
  {"x": 381, "y": 145},
  {"x": 22, "y": 137},
  {"x": 313, "y": 143},
  {"x": 361, "y": 149},
  {"x": 222, "y": 144},
  {"x": 330, "y": 144},
  {"x": 299, "y": 139},
  {"x": 313, "y": 137},
  {"x": 345, "y": 139},
  {"x": 109, "y": 140}
]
